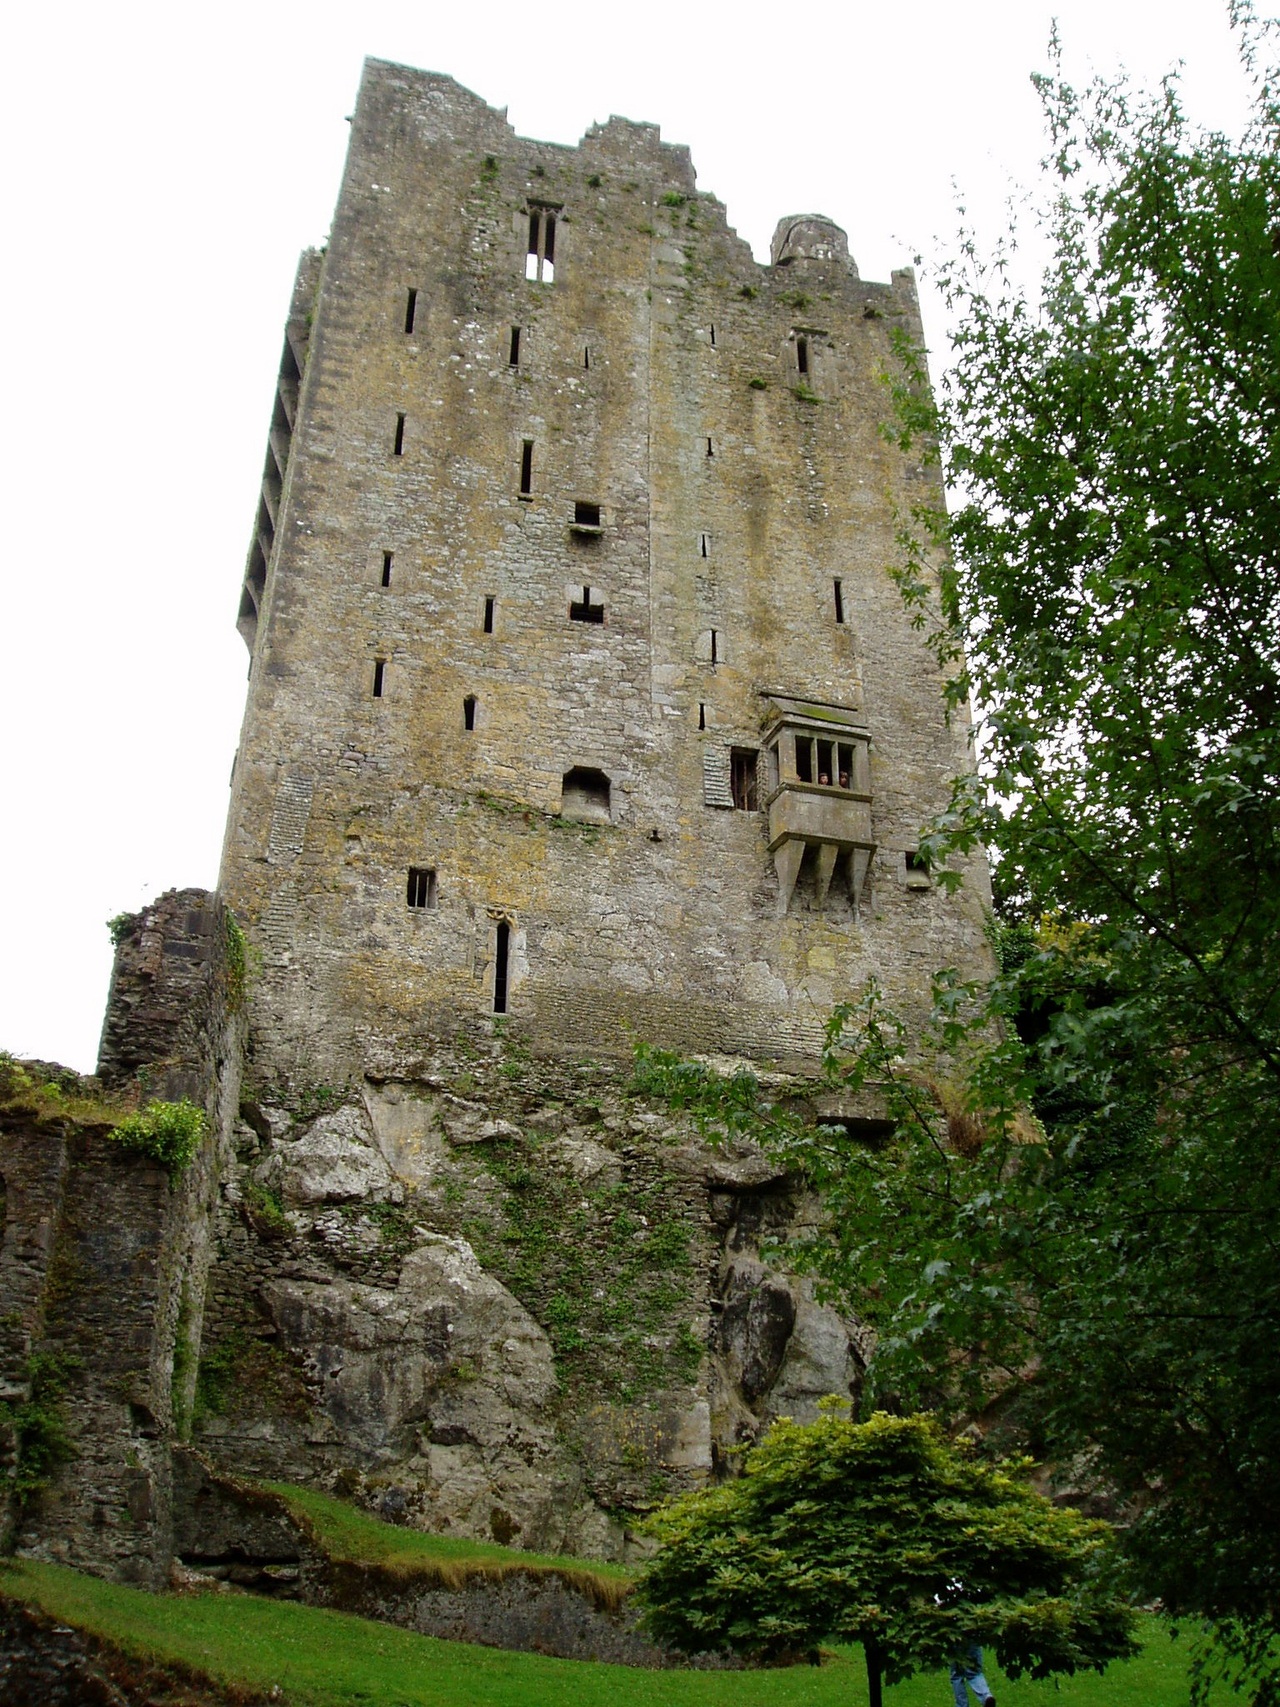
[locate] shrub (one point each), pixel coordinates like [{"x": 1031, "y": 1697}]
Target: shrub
[{"x": 167, "y": 1132}]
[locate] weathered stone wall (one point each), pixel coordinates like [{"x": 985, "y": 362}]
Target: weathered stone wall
[
  {"x": 104, "y": 1254},
  {"x": 659, "y": 378}
]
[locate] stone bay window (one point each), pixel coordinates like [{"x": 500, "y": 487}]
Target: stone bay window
[{"x": 818, "y": 792}]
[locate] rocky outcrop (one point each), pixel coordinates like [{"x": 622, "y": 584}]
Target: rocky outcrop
[
  {"x": 504, "y": 1297},
  {"x": 444, "y": 1377},
  {"x": 332, "y": 1162}
]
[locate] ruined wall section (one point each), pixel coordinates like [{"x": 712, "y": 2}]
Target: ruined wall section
[
  {"x": 407, "y": 553},
  {"x": 105, "y": 1254}
]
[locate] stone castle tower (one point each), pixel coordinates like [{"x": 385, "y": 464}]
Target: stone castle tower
[
  {"x": 579, "y": 690},
  {"x": 582, "y": 710}
]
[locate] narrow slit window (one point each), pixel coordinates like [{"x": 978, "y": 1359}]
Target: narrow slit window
[
  {"x": 838, "y": 589},
  {"x": 398, "y": 447},
  {"x": 488, "y": 615},
  {"x": 713, "y": 337},
  {"x": 540, "y": 259},
  {"x": 526, "y": 469},
  {"x": 532, "y": 259},
  {"x": 379, "y": 676},
  {"x": 742, "y": 778},
  {"x": 410, "y": 310},
  {"x": 421, "y": 893},
  {"x": 715, "y": 646},
  {"x": 585, "y": 609},
  {"x": 501, "y": 960},
  {"x": 388, "y": 558},
  {"x": 469, "y": 712},
  {"x": 704, "y": 544},
  {"x": 513, "y": 353},
  {"x": 586, "y": 355},
  {"x": 702, "y": 715},
  {"x": 802, "y": 355},
  {"x": 710, "y": 448}
]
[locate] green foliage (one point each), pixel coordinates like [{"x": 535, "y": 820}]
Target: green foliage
[
  {"x": 755, "y": 383},
  {"x": 37, "y": 1425},
  {"x": 882, "y": 1533},
  {"x": 121, "y": 926},
  {"x": 605, "y": 1268},
  {"x": 803, "y": 394},
  {"x": 673, "y": 198},
  {"x": 748, "y": 292},
  {"x": 43, "y": 1091},
  {"x": 167, "y": 1132},
  {"x": 237, "y": 954},
  {"x": 1110, "y": 576},
  {"x": 488, "y": 168},
  {"x": 264, "y": 1209}
]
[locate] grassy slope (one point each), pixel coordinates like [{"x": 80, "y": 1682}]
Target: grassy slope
[
  {"x": 347, "y": 1533},
  {"x": 328, "y": 1659}
]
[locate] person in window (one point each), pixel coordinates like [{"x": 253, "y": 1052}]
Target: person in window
[
  {"x": 844, "y": 779},
  {"x": 824, "y": 779}
]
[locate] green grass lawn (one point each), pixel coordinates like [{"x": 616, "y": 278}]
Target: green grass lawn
[{"x": 329, "y": 1659}]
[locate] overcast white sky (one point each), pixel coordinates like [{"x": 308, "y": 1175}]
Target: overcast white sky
[{"x": 165, "y": 164}]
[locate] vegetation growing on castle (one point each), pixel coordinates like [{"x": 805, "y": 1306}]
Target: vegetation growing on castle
[{"x": 167, "y": 1132}]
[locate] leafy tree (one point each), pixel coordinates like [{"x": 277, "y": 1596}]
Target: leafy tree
[
  {"x": 1079, "y": 1213},
  {"x": 1112, "y": 601},
  {"x": 882, "y": 1533}
]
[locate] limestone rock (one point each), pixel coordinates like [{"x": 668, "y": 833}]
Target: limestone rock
[
  {"x": 333, "y": 1162},
  {"x": 821, "y": 1357},
  {"x": 585, "y": 1159},
  {"x": 487, "y": 1326},
  {"x": 407, "y": 1132},
  {"x": 445, "y": 1375},
  {"x": 755, "y": 1328}
]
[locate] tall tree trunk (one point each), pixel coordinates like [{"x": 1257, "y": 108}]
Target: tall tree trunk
[{"x": 874, "y": 1668}]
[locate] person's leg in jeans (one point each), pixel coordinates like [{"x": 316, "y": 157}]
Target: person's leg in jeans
[{"x": 966, "y": 1670}]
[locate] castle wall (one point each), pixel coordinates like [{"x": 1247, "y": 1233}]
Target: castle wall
[
  {"x": 658, "y": 378},
  {"x": 104, "y": 1255}
]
